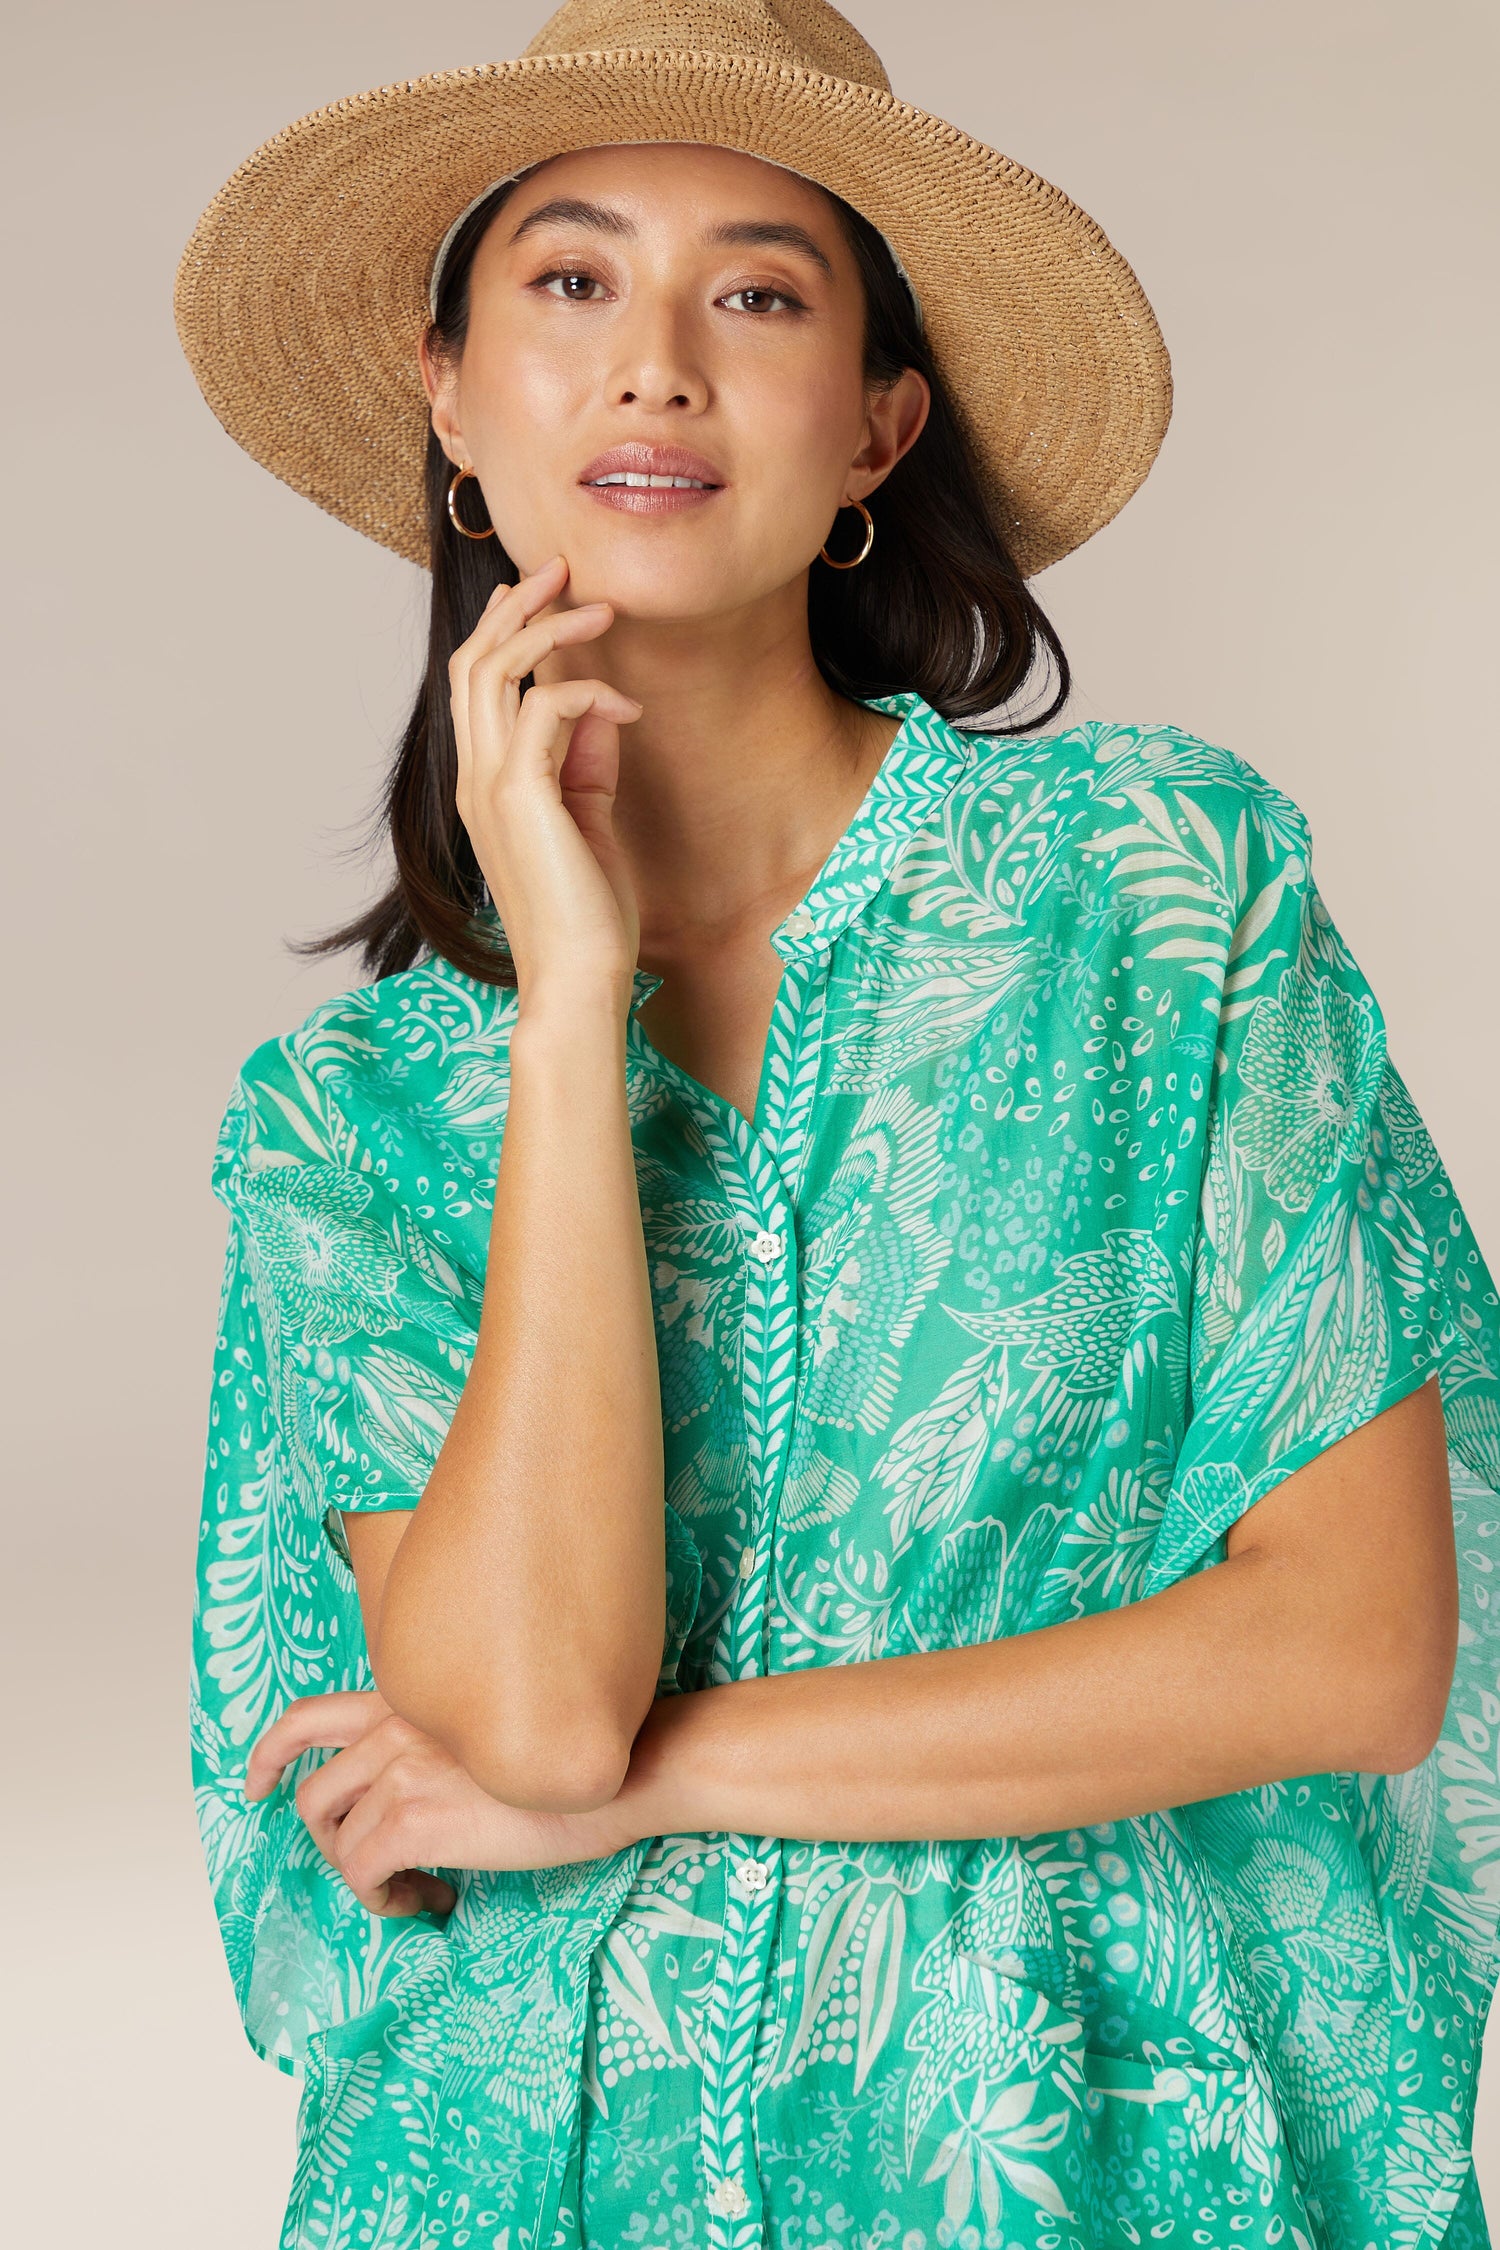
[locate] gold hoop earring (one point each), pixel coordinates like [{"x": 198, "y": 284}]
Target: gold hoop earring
[
  {"x": 453, "y": 512},
  {"x": 864, "y": 550}
]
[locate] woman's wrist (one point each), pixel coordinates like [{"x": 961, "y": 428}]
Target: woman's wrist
[{"x": 565, "y": 1006}]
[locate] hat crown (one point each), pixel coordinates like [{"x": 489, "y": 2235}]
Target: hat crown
[{"x": 803, "y": 34}]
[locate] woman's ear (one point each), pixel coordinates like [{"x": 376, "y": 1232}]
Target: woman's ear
[
  {"x": 440, "y": 381},
  {"x": 897, "y": 414}
]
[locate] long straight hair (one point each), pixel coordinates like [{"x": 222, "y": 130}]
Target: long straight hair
[{"x": 938, "y": 606}]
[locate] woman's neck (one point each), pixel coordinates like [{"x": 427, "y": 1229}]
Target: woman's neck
[{"x": 736, "y": 782}]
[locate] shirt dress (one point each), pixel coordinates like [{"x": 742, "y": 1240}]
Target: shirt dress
[{"x": 1081, "y": 1204}]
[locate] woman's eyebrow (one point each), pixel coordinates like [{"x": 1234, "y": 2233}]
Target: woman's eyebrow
[
  {"x": 771, "y": 234},
  {"x": 573, "y": 210},
  {"x": 764, "y": 233}
]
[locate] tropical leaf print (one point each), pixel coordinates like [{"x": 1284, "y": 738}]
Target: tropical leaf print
[
  {"x": 1081, "y": 1204},
  {"x": 404, "y": 1411},
  {"x": 880, "y": 1984},
  {"x": 1314, "y": 1352},
  {"x": 935, "y": 1459},
  {"x": 336, "y": 1270},
  {"x": 1173, "y": 856},
  {"x": 1222, "y": 1247},
  {"x": 1105, "y": 1545},
  {"x": 1077, "y": 1329},
  {"x": 1110, "y": 1316},
  {"x": 996, "y": 2146},
  {"x": 1411, "y": 1143},
  {"x": 980, "y": 1584},
  {"x": 871, "y": 1257},
  {"x": 917, "y": 997}
]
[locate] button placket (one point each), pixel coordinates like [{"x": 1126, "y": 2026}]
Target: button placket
[
  {"x": 733, "y": 2204},
  {"x": 750, "y": 1915},
  {"x": 770, "y": 1374},
  {"x": 761, "y": 1162}
]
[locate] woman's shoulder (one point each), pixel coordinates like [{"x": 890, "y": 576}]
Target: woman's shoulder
[
  {"x": 1133, "y": 798},
  {"x": 393, "y": 1054},
  {"x": 1096, "y": 761}
]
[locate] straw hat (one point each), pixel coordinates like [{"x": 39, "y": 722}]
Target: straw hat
[{"x": 304, "y": 288}]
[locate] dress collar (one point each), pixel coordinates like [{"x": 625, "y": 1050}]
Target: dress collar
[{"x": 923, "y": 761}]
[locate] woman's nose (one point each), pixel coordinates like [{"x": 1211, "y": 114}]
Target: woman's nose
[{"x": 656, "y": 359}]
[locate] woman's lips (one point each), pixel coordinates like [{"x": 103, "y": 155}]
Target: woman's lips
[
  {"x": 681, "y": 477},
  {"x": 651, "y": 500}
]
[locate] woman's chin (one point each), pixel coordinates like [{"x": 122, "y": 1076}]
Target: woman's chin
[{"x": 658, "y": 586}]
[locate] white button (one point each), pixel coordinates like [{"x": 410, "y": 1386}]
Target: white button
[
  {"x": 747, "y": 1560},
  {"x": 767, "y": 1247},
  {"x": 727, "y": 2199},
  {"x": 798, "y": 922},
  {"x": 751, "y": 1875}
]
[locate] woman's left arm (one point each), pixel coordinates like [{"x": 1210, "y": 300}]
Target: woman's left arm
[{"x": 1324, "y": 1641}]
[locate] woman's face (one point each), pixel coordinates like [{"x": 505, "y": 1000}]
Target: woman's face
[{"x": 674, "y": 297}]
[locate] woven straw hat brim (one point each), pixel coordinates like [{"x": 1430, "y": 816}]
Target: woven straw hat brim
[{"x": 302, "y": 293}]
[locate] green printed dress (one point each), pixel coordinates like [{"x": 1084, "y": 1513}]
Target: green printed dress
[{"x": 1081, "y": 1205}]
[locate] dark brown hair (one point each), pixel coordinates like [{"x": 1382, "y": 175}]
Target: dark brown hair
[{"x": 939, "y": 606}]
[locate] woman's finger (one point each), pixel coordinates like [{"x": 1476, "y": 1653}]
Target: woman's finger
[
  {"x": 506, "y": 611},
  {"x": 535, "y": 750},
  {"x": 375, "y": 1843},
  {"x": 416, "y": 1891},
  {"x": 510, "y": 656},
  {"x": 327, "y": 1794},
  {"x": 553, "y": 705},
  {"x": 547, "y": 850},
  {"x": 345, "y": 1811},
  {"x": 350, "y": 1807},
  {"x": 313, "y": 1722},
  {"x": 500, "y": 633},
  {"x": 535, "y": 742},
  {"x": 514, "y": 604},
  {"x": 490, "y": 696}
]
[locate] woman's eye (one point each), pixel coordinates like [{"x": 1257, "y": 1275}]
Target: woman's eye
[
  {"x": 779, "y": 296},
  {"x": 569, "y": 273},
  {"x": 758, "y": 300}
]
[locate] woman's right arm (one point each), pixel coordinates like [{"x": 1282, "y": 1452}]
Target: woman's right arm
[{"x": 521, "y": 1617}]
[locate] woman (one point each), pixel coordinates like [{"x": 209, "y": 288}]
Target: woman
[{"x": 844, "y": 1392}]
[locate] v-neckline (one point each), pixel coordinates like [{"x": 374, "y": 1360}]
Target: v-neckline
[{"x": 921, "y": 762}]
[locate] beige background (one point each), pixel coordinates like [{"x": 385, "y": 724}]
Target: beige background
[{"x": 206, "y": 674}]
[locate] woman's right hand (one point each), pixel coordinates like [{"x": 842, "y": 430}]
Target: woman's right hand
[
  {"x": 537, "y": 800},
  {"x": 393, "y": 1806}
]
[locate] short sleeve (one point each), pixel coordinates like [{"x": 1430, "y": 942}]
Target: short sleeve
[
  {"x": 370, "y": 1325},
  {"x": 343, "y": 1340},
  {"x": 1333, "y": 1269}
]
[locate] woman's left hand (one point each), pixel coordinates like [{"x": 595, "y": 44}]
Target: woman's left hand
[{"x": 393, "y": 1799}]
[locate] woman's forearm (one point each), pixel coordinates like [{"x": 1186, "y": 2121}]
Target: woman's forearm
[
  {"x": 1230, "y": 1678},
  {"x": 522, "y": 1618},
  {"x": 1324, "y": 1642}
]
